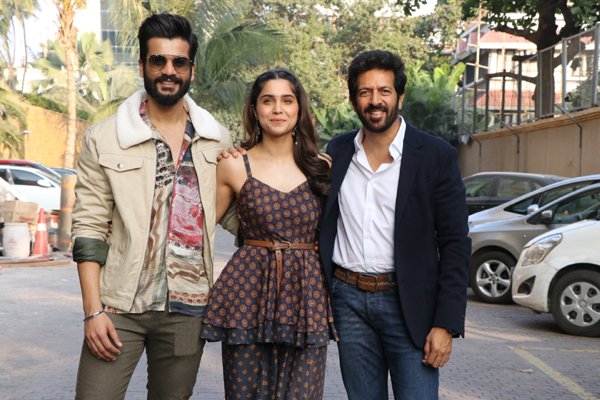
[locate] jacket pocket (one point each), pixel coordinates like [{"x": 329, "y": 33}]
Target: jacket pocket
[
  {"x": 120, "y": 163},
  {"x": 212, "y": 155}
]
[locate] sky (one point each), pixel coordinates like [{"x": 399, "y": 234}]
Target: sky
[{"x": 42, "y": 27}]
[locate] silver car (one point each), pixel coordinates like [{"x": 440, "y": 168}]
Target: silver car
[
  {"x": 496, "y": 246},
  {"x": 530, "y": 202}
]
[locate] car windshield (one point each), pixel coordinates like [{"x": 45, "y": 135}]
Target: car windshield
[
  {"x": 53, "y": 175},
  {"x": 51, "y": 178},
  {"x": 48, "y": 173},
  {"x": 30, "y": 176},
  {"x": 546, "y": 197}
]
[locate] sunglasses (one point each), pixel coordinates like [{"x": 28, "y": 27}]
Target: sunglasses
[{"x": 181, "y": 64}]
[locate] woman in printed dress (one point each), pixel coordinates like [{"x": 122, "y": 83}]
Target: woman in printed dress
[{"x": 270, "y": 307}]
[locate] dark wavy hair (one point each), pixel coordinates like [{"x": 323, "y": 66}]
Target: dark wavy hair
[
  {"x": 168, "y": 26},
  {"x": 376, "y": 59},
  {"x": 306, "y": 154}
]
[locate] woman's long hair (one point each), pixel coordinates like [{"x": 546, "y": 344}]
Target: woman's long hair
[{"x": 306, "y": 156}]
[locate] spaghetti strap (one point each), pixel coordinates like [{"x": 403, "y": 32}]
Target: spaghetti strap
[{"x": 247, "y": 165}]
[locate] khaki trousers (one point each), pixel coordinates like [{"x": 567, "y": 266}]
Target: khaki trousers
[{"x": 173, "y": 349}]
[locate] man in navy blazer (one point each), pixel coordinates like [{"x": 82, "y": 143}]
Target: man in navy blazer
[{"x": 393, "y": 242}]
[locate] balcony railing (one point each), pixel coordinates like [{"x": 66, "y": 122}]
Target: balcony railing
[{"x": 565, "y": 74}]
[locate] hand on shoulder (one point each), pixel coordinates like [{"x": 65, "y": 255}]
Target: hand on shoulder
[{"x": 232, "y": 151}]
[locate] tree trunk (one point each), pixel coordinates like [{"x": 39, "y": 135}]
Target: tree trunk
[
  {"x": 68, "y": 37},
  {"x": 71, "y": 61},
  {"x": 26, "y": 60},
  {"x": 11, "y": 70},
  {"x": 548, "y": 85}
]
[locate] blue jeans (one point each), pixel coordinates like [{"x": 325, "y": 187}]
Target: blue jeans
[{"x": 374, "y": 341}]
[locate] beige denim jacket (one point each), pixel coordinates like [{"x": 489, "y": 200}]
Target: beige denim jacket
[{"x": 116, "y": 173}]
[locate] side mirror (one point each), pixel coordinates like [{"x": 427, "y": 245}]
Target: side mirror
[
  {"x": 532, "y": 208},
  {"x": 546, "y": 217},
  {"x": 44, "y": 183}
]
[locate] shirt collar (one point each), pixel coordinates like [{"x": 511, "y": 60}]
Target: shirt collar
[
  {"x": 396, "y": 146},
  {"x": 190, "y": 132}
]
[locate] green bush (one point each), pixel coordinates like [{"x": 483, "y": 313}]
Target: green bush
[
  {"x": 336, "y": 121},
  {"x": 52, "y": 105},
  {"x": 427, "y": 101}
]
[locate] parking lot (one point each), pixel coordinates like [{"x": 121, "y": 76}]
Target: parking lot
[{"x": 509, "y": 352}]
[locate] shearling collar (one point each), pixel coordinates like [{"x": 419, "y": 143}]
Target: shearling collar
[{"x": 131, "y": 130}]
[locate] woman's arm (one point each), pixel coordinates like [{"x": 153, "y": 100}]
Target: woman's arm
[
  {"x": 224, "y": 190},
  {"x": 231, "y": 175}
]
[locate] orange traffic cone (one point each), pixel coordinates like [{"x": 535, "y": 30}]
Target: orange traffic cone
[{"x": 41, "y": 236}]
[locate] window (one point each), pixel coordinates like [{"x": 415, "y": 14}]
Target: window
[
  {"x": 4, "y": 175},
  {"x": 479, "y": 186},
  {"x": 521, "y": 206},
  {"x": 25, "y": 178},
  {"x": 580, "y": 208},
  {"x": 513, "y": 187},
  {"x": 556, "y": 193}
]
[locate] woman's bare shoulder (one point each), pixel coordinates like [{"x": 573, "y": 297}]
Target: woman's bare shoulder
[{"x": 231, "y": 166}]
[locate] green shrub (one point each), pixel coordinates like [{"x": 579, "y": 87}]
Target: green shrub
[{"x": 52, "y": 105}]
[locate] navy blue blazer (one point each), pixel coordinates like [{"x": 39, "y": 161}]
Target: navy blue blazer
[{"x": 431, "y": 246}]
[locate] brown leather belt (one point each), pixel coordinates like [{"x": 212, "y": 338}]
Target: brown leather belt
[
  {"x": 368, "y": 282},
  {"x": 277, "y": 247}
]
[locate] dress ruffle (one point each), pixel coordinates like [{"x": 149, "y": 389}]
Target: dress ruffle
[{"x": 269, "y": 333}]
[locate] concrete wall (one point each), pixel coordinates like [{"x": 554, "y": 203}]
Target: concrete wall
[
  {"x": 548, "y": 146},
  {"x": 47, "y": 141}
]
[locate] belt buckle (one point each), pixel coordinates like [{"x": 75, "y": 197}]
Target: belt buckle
[
  {"x": 368, "y": 276},
  {"x": 288, "y": 244}
]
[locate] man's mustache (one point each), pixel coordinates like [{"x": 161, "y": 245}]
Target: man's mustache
[
  {"x": 372, "y": 108},
  {"x": 172, "y": 78}
]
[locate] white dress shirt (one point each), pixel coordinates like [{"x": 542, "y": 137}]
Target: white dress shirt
[{"x": 367, "y": 200}]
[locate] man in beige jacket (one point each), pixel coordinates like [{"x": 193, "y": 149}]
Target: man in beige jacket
[{"x": 143, "y": 225}]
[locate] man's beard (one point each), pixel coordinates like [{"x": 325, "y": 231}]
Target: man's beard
[
  {"x": 167, "y": 100},
  {"x": 390, "y": 117}
]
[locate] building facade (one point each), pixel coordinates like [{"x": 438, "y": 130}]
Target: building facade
[{"x": 96, "y": 17}]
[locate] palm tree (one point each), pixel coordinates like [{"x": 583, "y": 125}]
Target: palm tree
[
  {"x": 233, "y": 47},
  {"x": 121, "y": 83},
  {"x": 12, "y": 121},
  {"x": 11, "y": 10},
  {"x": 67, "y": 33},
  {"x": 23, "y": 10},
  {"x": 4, "y": 38},
  {"x": 228, "y": 43},
  {"x": 96, "y": 81}
]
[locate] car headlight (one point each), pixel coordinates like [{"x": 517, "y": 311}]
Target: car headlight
[{"x": 536, "y": 253}]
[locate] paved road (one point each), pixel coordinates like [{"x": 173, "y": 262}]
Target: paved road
[{"x": 509, "y": 353}]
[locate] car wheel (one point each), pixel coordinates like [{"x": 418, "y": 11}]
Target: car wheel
[
  {"x": 490, "y": 277},
  {"x": 575, "y": 302}
]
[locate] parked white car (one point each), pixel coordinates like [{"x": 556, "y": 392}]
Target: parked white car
[
  {"x": 496, "y": 246},
  {"x": 530, "y": 202},
  {"x": 35, "y": 185},
  {"x": 559, "y": 272}
]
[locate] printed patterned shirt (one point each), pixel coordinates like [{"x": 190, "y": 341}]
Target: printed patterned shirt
[{"x": 173, "y": 266}]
